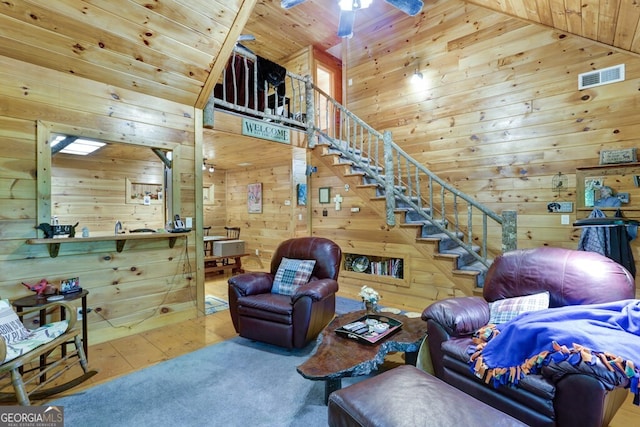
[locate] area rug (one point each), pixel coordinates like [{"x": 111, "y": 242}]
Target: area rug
[
  {"x": 213, "y": 304},
  {"x": 234, "y": 383}
]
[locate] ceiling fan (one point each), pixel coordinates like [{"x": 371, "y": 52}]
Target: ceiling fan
[{"x": 348, "y": 10}]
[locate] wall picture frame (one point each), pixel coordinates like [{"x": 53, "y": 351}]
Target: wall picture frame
[
  {"x": 623, "y": 197},
  {"x": 302, "y": 194},
  {"x": 208, "y": 195},
  {"x": 254, "y": 197},
  {"x": 324, "y": 194}
]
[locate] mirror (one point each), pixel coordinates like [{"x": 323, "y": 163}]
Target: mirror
[
  {"x": 623, "y": 179},
  {"x": 126, "y": 181}
]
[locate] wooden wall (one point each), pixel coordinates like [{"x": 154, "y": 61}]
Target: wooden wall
[
  {"x": 215, "y": 209},
  {"x": 146, "y": 285},
  {"x": 99, "y": 189},
  {"x": 498, "y": 116}
]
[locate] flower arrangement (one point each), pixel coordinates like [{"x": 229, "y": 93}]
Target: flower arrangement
[{"x": 369, "y": 295}]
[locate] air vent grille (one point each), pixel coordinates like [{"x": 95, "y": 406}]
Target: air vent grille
[{"x": 601, "y": 77}]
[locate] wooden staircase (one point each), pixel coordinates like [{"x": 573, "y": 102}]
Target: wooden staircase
[{"x": 424, "y": 235}]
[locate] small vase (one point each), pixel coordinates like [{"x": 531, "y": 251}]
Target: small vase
[{"x": 371, "y": 307}]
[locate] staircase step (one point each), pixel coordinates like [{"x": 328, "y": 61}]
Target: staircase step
[
  {"x": 476, "y": 268},
  {"x": 444, "y": 241},
  {"x": 354, "y": 163},
  {"x": 402, "y": 204},
  {"x": 464, "y": 257},
  {"x": 415, "y": 216},
  {"x": 374, "y": 168}
]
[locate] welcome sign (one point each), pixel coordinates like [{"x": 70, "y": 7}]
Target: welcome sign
[{"x": 265, "y": 130}]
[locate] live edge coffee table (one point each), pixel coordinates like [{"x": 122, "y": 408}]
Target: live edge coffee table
[{"x": 340, "y": 357}]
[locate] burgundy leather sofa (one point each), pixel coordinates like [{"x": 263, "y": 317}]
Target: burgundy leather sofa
[
  {"x": 290, "y": 321},
  {"x": 557, "y": 396}
]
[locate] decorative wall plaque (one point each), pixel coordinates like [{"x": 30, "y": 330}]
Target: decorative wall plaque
[{"x": 608, "y": 157}]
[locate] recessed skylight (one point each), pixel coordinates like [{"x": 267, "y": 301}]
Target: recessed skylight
[{"x": 79, "y": 147}]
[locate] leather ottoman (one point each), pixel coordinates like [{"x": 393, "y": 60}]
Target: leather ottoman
[{"x": 407, "y": 396}]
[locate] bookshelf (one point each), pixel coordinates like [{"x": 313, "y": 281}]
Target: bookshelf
[{"x": 375, "y": 268}]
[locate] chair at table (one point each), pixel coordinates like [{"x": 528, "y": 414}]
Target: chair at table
[
  {"x": 24, "y": 354},
  {"x": 233, "y": 233},
  {"x": 207, "y": 245},
  {"x": 290, "y": 305}
]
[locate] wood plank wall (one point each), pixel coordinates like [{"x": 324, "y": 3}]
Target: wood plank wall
[
  {"x": 98, "y": 190},
  {"x": 146, "y": 285},
  {"x": 499, "y": 114},
  {"x": 215, "y": 210}
]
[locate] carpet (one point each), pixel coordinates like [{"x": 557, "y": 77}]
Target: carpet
[
  {"x": 213, "y": 304},
  {"x": 234, "y": 383},
  {"x": 343, "y": 305}
]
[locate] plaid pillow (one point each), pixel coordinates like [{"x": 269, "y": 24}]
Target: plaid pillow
[
  {"x": 507, "y": 309},
  {"x": 291, "y": 274},
  {"x": 11, "y": 328}
]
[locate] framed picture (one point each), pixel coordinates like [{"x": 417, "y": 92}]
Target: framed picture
[
  {"x": 623, "y": 197},
  {"x": 207, "y": 195},
  {"x": 69, "y": 286},
  {"x": 254, "y": 197},
  {"x": 324, "y": 194},
  {"x": 302, "y": 194}
]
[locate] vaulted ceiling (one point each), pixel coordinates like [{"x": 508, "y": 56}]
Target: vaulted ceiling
[{"x": 175, "y": 49}]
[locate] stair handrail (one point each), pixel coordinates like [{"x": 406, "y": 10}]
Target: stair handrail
[{"x": 356, "y": 140}]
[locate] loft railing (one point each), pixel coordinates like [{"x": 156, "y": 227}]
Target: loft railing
[
  {"x": 401, "y": 179},
  {"x": 240, "y": 91}
]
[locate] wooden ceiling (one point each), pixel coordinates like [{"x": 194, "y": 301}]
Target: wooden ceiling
[
  {"x": 176, "y": 49},
  {"x": 612, "y": 22},
  {"x": 173, "y": 49}
]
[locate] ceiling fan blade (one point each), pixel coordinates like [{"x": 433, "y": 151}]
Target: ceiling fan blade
[
  {"x": 345, "y": 26},
  {"x": 410, "y": 7},
  {"x": 288, "y": 4}
]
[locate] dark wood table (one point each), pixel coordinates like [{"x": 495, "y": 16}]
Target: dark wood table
[
  {"x": 35, "y": 301},
  {"x": 340, "y": 357}
]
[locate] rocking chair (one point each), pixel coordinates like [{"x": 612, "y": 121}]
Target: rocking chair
[{"x": 24, "y": 353}]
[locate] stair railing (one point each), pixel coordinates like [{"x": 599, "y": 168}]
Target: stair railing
[
  {"x": 407, "y": 183},
  {"x": 240, "y": 91},
  {"x": 403, "y": 181}
]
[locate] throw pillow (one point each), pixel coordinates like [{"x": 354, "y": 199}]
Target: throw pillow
[
  {"x": 507, "y": 309},
  {"x": 291, "y": 274},
  {"x": 11, "y": 328}
]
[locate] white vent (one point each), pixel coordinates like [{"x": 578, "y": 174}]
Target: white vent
[{"x": 601, "y": 77}]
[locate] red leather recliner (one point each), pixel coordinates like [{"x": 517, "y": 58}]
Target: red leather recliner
[
  {"x": 557, "y": 397},
  {"x": 290, "y": 321}
]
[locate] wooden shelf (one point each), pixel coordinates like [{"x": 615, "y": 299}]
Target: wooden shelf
[
  {"x": 120, "y": 239},
  {"x": 621, "y": 177},
  {"x": 382, "y": 269}
]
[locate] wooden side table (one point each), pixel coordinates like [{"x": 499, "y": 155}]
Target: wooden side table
[{"x": 34, "y": 301}]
